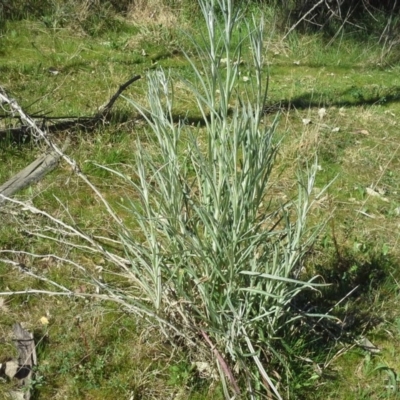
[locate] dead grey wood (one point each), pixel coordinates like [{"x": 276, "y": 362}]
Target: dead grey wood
[
  {"x": 29, "y": 175},
  {"x": 27, "y": 360}
]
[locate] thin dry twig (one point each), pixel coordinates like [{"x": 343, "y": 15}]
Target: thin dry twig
[
  {"x": 105, "y": 109},
  {"x": 70, "y": 230},
  {"x": 293, "y": 27}
]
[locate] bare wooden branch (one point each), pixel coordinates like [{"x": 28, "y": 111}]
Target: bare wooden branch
[
  {"x": 105, "y": 109},
  {"x": 301, "y": 19},
  {"x": 23, "y": 133}
]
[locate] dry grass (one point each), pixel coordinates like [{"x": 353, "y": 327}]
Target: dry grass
[{"x": 155, "y": 12}]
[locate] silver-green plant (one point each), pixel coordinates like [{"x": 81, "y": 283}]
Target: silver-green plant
[{"x": 218, "y": 256}]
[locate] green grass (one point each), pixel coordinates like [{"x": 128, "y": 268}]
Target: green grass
[{"x": 94, "y": 351}]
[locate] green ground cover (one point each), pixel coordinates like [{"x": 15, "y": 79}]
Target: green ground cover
[{"x": 93, "y": 350}]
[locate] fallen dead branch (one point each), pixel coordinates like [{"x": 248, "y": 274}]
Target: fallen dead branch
[{"x": 23, "y": 133}]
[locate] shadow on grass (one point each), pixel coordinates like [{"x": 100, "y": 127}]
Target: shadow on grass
[
  {"x": 350, "y": 299},
  {"x": 123, "y": 116},
  {"x": 351, "y": 97},
  {"x": 350, "y": 294}
]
